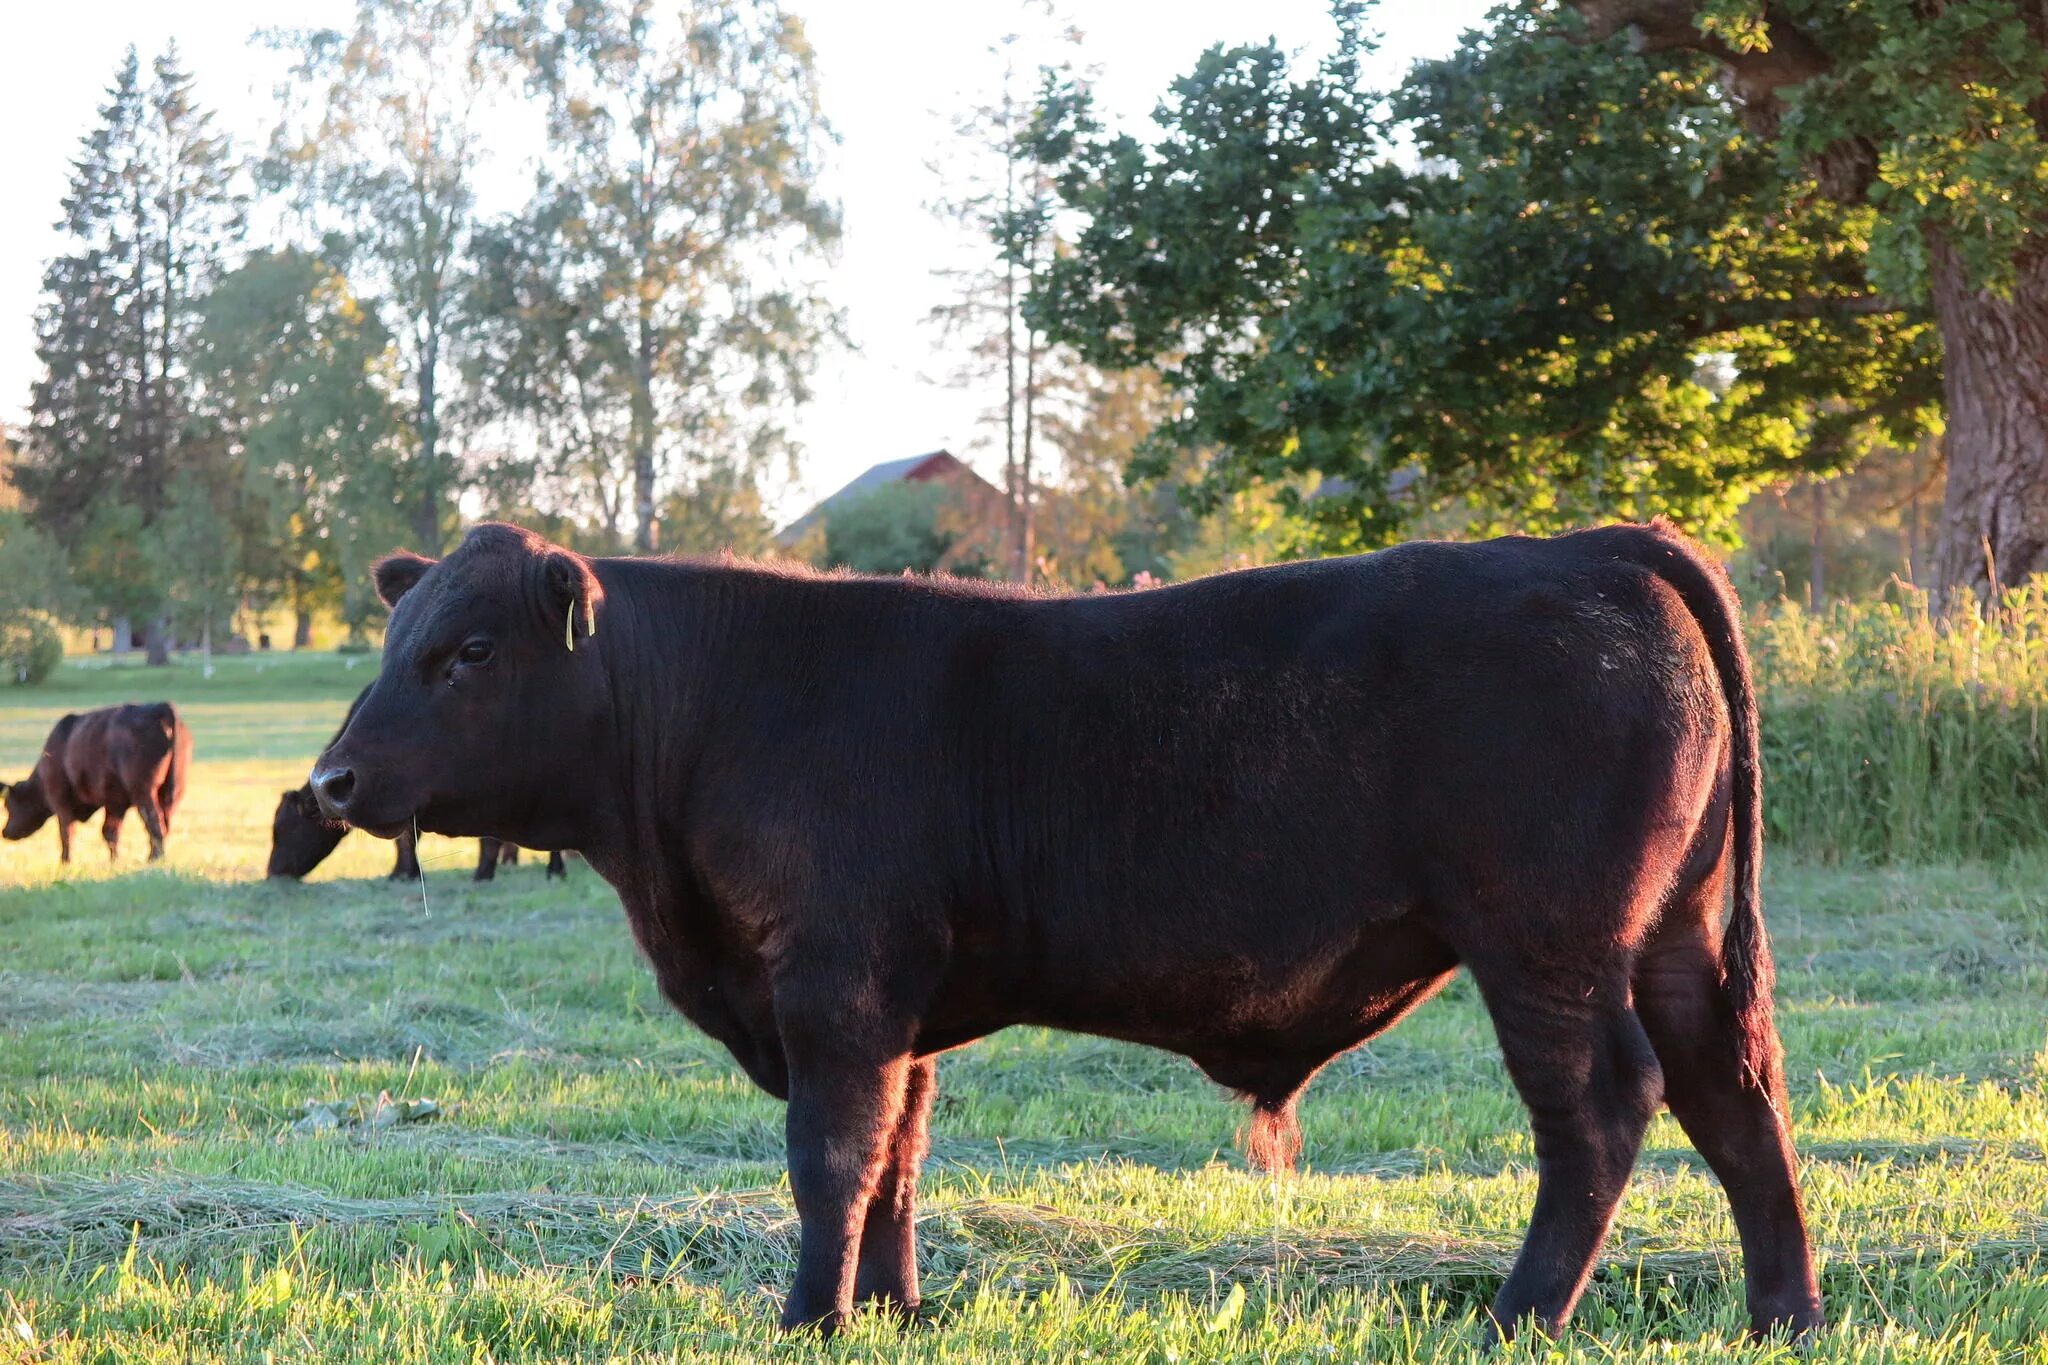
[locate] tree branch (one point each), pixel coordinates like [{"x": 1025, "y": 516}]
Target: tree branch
[
  {"x": 1754, "y": 78},
  {"x": 1814, "y": 306}
]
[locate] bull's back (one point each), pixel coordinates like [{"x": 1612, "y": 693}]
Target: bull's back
[
  {"x": 1252, "y": 776},
  {"x": 127, "y": 751}
]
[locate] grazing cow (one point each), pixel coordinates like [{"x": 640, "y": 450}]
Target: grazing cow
[
  {"x": 113, "y": 759},
  {"x": 301, "y": 838},
  {"x": 1254, "y": 819}
]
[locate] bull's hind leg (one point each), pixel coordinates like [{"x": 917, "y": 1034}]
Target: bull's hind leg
[
  {"x": 1579, "y": 1057},
  {"x": 110, "y": 830},
  {"x": 1739, "y": 1127},
  {"x": 153, "y": 821},
  {"x": 888, "y": 1240}
]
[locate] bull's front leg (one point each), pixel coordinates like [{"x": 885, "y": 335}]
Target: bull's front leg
[
  {"x": 849, "y": 1079},
  {"x": 888, "y": 1240}
]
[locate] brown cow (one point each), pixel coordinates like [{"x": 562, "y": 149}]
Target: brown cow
[{"x": 111, "y": 759}]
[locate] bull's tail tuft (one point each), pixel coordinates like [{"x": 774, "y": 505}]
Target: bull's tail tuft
[
  {"x": 1748, "y": 975},
  {"x": 173, "y": 789},
  {"x": 1272, "y": 1139}
]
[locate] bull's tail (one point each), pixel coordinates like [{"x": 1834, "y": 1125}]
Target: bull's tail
[
  {"x": 172, "y": 790},
  {"x": 1748, "y": 975}
]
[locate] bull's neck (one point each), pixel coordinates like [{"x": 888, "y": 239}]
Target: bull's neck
[{"x": 667, "y": 632}]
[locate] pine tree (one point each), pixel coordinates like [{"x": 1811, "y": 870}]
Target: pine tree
[{"x": 152, "y": 210}]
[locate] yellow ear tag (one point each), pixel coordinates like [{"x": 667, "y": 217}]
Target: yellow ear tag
[
  {"x": 590, "y": 619},
  {"x": 569, "y": 628}
]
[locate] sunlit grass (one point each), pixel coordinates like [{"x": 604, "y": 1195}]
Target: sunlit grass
[{"x": 604, "y": 1184}]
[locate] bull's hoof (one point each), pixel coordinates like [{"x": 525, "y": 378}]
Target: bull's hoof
[
  {"x": 1787, "y": 1322},
  {"x": 826, "y": 1324},
  {"x": 894, "y": 1309},
  {"x": 1492, "y": 1333}
]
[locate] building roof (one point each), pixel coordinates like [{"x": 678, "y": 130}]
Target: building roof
[{"x": 912, "y": 469}]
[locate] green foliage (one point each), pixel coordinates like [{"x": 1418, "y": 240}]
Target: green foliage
[
  {"x": 191, "y": 552},
  {"x": 34, "y": 574},
  {"x": 1892, "y": 735},
  {"x": 719, "y": 510},
  {"x": 655, "y": 298},
  {"x": 1946, "y": 105},
  {"x": 30, "y": 646},
  {"x": 301, "y": 373},
  {"x": 379, "y": 147},
  {"x": 895, "y": 527},
  {"x": 152, "y": 209},
  {"x": 1585, "y": 291}
]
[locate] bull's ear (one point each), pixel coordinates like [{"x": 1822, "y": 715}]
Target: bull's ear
[
  {"x": 575, "y": 594},
  {"x": 395, "y": 574}
]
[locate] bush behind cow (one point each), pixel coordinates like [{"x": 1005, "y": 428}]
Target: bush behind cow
[{"x": 1254, "y": 819}]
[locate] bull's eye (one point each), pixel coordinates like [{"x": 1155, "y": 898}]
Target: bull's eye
[{"x": 475, "y": 652}]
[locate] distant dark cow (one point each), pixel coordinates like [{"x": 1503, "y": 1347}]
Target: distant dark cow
[
  {"x": 301, "y": 838},
  {"x": 112, "y": 759},
  {"x": 1254, "y": 819}
]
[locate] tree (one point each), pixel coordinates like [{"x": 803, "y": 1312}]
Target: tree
[
  {"x": 381, "y": 139},
  {"x": 192, "y": 552},
  {"x": 1002, "y": 195},
  {"x": 35, "y": 593},
  {"x": 685, "y": 145},
  {"x": 547, "y": 362},
  {"x": 720, "y": 510},
  {"x": 1932, "y": 118},
  {"x": 301, "y": 377},
  {"x": 151, "y": 212},
  {"x": 1587, "y": 291},
  {"x": 1091, "y": 526},
  {"x": 896, "y": 527}
]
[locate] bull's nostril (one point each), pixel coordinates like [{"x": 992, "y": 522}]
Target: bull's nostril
[{"x": 334, "y": 787}]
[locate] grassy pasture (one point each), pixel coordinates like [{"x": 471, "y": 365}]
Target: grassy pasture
[{"x": 604, "y": 1184}]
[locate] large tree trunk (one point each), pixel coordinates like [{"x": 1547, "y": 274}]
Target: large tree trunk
[
  {"x": 156, "y": 642},
  {"x": 1994, "y": 519},
  {"x": 302, "y": 629},
  {"x": 426, "y": 510}
]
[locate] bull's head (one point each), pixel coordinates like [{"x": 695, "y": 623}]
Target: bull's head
[
  {"x": 490, "y": 707},
  {"x": 27, "y": 811},
  {"x": 300, "y": 836}
]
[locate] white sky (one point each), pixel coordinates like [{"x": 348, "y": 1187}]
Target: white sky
[{"x": 893, "y": 74}]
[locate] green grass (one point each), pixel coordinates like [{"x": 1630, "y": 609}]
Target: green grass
[
  {"x": 1892, "y": 735},
  {"x": 603, "y": 1183}
]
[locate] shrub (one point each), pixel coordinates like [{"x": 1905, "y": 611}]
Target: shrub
[
  {"x": 1891, "y": 735},
  {"x": 30, "y": 647}
]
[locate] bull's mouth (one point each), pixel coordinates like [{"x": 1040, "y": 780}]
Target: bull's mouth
[{"x": 383, "y": 829}]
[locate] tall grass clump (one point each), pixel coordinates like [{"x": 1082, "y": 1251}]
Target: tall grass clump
[{"x": 1891, "y": 733}]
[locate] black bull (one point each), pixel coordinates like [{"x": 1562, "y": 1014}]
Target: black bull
[{"x": 1253, "y": 819}]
